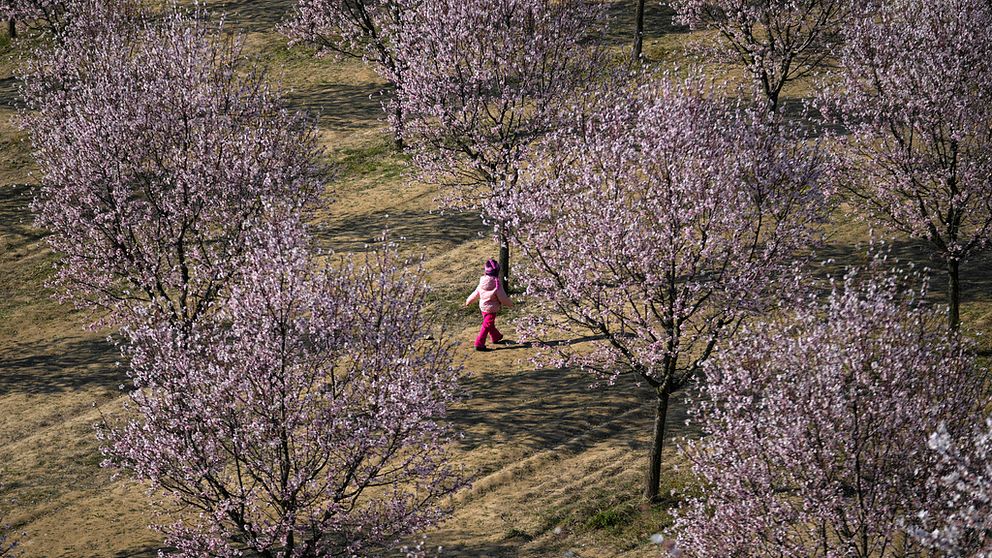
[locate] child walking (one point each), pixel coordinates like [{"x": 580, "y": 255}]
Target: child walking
[{"x": 492, "y": 298}]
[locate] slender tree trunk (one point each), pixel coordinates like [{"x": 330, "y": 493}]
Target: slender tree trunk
[
  {"x": 635, "y": 55},
  {"x": 953, "y": 293},
  {"x": 398, "y": 126},
  {"x": 12, "y": 28},
  {"x": 290, "y": 544},
  {"x": 953, "y": 232},
  {"x": 652, "y": 483},
  {"x": 504, "y": 257},
  {"x": 773, "y": 95}
]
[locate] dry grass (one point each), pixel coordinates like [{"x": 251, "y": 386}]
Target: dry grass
[{"x": 558, "y": 465}]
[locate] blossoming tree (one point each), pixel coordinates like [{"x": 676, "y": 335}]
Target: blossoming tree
[
  {"x": 161, "y": 149},
  {"x": 305, "y": 421},
  {"x": 484, "y": 80},
  {"x": 961, "y": 524},
  {"x": 657, "y": 224},
  {"x": 816, "y": 426},
  {"x": 776, "y": 42},
  {"x": 365, "y": 29},
  {"x": 46, "y": 13},
  {"x": 915, "y": 91}
]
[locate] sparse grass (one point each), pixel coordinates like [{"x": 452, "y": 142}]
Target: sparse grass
[
  {"x": 354, "y": 165},
  {"x": 612, "y": 518},
  {"x": 514, "y": 533},
  {"x": 583, "y": 494},
  {"x": 617, "y": 514}
]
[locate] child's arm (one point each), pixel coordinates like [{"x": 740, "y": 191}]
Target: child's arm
[
  {"x": 472, "y": 297},
  {"x": 504, "y": 299}
]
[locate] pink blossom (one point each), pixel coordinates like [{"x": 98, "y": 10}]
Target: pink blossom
[
  {"x": 661, "y": 220},
  {"x": 776, "y": 41},
  {"x": 304, "y": 420},
  {"x": 961, "y": 524},
  {"x": 161, "y": 148},
  {"x": 915, "y": 93},
  {"x": 815, "y": 425},
  {"x": 45, "y": 13},
  {"x": 485, "y": 79}
]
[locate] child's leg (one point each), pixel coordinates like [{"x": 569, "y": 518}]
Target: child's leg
[
  {"x": 494, "y": 333},
  {"x": 480, "y": 340}
]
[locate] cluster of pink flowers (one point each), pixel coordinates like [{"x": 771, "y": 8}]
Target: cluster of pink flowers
[
  {"x": 658, "y": 222},
  {"x": 483, "y": 81},
  {"x": 815, "y": 425},
  {"x": 915, "y": 92},
  {"x": 961, "y": 525},
  {"x": 305, "y": 419},
  {"x": 364, "y": 29},
  {"x": 157, "y": 163},
  {"x": 776, "y": 41},
  {"x": 289, "y": 409},
  {"x": 47, "y": 12},
  {"x": 279, "y": 406}
]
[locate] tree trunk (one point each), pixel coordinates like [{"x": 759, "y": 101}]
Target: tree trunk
[
  {"x": 635, "y": 55},
  {"x": 652, "y": 483},
  {"x": 12, "y": 28},
  {"x": 398, "y": 126},
  {"x": 772, "y": 95},
  {"x": 953, "y": 293},
  {"x": 504, "y": 258}
]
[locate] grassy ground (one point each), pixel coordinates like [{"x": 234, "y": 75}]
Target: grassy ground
[{"x": 557, "y": 465}]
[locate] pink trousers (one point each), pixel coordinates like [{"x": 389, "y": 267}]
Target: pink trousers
[{"x": 488, "y": 328}]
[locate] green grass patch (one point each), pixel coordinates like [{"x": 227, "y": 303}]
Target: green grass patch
[
  {"x": 619, "y": 515},
  {"x": 379, "y": 159},
  {"x": 612, "y": 518}
]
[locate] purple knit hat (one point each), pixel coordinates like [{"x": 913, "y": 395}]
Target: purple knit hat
[{"x": 492, "y": 268}]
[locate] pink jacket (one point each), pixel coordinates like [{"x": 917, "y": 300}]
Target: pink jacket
[{"x": 491, "y": 295}]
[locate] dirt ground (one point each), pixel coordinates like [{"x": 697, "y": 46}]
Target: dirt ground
[{"x": 556, "y": 464}]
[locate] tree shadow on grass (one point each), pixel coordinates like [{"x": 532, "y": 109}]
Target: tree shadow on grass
[
  {"x": 657, "y": 22},
  {"x": 253, "y": 15},
  {"x": 143, "y": 552},
  {"x": 513, "y": 345},
  {"x": 354, "y": 233},
  {"x": 541, "y": 408},
  {"x": 339, "y": 106},
  {"x": 16, "y": 228},
  {"x": 479, "y": 550},
  {"x": 59, "y": 365},
  {"x": 10, "y": 95},
  {"x": 491, "y": 550},
  {"x": 976, "y": 273}
]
